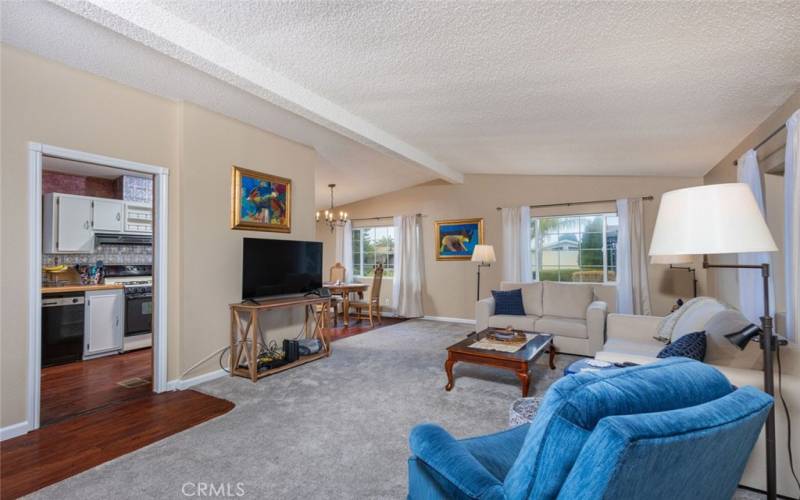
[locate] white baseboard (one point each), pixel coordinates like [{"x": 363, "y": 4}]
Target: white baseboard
[
  {"x": 186, "y": 383},
  {"x": 450, "y": 320},
  {"x": 14, "y": 430}
]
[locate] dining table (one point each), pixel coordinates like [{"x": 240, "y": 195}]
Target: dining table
[{"x": 344, "y": 290}]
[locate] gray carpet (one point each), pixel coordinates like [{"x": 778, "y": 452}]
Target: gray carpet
[{"x": 335, "y": 428}]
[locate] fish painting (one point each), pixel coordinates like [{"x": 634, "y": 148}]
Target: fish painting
[
  {"x": 260, "y": 201},
  {"x": 456, "y": 239}
]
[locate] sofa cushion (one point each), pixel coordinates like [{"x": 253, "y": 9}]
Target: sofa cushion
[
  {"x": 567, "y": 300},
  {"x": 691, "y": 346},
  {"x": 574, "y": 405},
  {"x": 516, "y": 322},
  {"x": 719, "y": 351},
  {"x": 508, "y": 302},
  {"x": 649, "y": 348},
  {"x": 620, "y": 357},
  {"x": 690, "y": 317},
  {"x": 531, "y": 295},
  {"x": 564, "y": 327}
]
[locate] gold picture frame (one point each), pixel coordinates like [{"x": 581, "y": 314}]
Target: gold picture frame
[
  {"x": 456, "y": 238},
  {"x": 260, "y": 202}
]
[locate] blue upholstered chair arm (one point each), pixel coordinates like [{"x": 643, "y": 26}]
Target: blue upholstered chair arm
[{"x": 441, "y": 452}]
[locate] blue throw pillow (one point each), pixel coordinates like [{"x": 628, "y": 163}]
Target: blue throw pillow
[
  {"x": 509, "y": 302},
  {"x": 692, "y": 345}
]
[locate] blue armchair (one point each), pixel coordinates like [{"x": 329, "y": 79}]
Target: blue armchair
[{"x": 672, "y": 429}]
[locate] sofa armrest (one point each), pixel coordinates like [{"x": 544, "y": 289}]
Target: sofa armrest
[
  {"x": 596, "y": 325},
  {"x": 484, "y": 308},
  {"x": 440, "y": 451},
  {"x": 632, "y": 327}
]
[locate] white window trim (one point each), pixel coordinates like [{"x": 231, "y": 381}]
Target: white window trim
[
  {"x": 361, "y": 251},
  {"x": 538, "y": 257}
]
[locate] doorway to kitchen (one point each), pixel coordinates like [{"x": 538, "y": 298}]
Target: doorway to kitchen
[{"x": 97, "y": 282}]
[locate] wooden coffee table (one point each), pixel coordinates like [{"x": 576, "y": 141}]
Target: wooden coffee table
[{"x": 519, "y": 362}]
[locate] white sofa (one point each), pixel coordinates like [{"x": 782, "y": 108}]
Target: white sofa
[
  {"x": 630, "y": 338},
  {"x": 574, "y": 313}
]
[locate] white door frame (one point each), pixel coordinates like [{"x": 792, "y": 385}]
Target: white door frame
[{"x": 160, "y": 201}]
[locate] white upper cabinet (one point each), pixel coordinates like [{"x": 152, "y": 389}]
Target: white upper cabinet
[
  {"x": 68, "y": 224},
  {"x": 107, "y": 215}
]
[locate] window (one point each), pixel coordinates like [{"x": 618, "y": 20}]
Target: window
[
  {"x": 575, "y": 248},
  {"x": 371, "y": 246}
]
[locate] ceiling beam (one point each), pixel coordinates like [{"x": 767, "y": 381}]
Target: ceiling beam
[{"x": 164, "y": 32}]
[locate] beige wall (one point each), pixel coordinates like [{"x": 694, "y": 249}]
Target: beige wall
[
  {"x": 450, "y": 285},
  {"x": 723, "y": 283},
  {"x": 50, "y": 103}
]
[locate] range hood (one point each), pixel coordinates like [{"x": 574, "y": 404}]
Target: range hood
[{"x": 122, "y": 239}]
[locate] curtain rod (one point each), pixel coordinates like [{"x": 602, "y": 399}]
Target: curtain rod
[
  {"x": 770, "y": 136},
  {"x": 384, "y": 217},
  {"x": 646, "y": 198}
]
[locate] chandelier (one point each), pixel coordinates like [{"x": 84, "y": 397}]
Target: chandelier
[{"x": 329, "y": 218}]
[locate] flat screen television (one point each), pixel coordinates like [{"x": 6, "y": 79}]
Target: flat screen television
[{"x": 280, "y": 267}]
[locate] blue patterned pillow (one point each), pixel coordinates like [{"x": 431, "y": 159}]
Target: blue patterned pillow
[
  {"x": 509, "y": 302},
  {"x": 691, "y": 345}
]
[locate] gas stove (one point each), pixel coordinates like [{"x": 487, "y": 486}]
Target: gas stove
[{"x": 138, "y": 288}]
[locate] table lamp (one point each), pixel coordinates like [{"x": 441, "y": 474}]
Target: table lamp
[
  {"x": 674, "y": 262},
  {"x": 723, "y": 219},
  {"x": 484, "y": 256}
]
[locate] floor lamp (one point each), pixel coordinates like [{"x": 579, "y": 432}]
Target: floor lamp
[
  {"x": 723, "y": 219},
  {"x": 678, "y": 262},
  {"x": 484, "y": 256}
]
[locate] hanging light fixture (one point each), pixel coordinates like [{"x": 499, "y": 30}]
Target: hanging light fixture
[{"x": 329, "y": 218}]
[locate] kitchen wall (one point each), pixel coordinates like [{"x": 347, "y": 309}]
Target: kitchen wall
[
  {"x": 450, "y": 285},
  {"x": 44, "y": 101},
  {"x": 109, "y": 254},
  {"x": 57, "y": 182},
  {"x": 723, "y": 283}
]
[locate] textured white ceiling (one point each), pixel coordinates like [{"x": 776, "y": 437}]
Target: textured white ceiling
[
  {"x": 358, "y": 170},
  {"x": 533, "y": 87},
  {"x": 601, "y": 88}
]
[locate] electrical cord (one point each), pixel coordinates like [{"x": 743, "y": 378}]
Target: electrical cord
[
  {"x": 268, "y": 348},
  {"x": 788, "y": 418}
]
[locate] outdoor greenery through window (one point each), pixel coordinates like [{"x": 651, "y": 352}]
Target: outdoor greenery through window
[
  {"x": 371, "y": 246},
  {"x": 575, "y": 248}
]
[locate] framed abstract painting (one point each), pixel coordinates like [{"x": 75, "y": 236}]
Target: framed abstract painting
[
  {"x": 456, "y": 239},
  {"x": 260, "y": 202}
]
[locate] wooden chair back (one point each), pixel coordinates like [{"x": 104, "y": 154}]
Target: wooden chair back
[
  {"x": 377, "y": 279},
  {"x": 338, "y": 272}
]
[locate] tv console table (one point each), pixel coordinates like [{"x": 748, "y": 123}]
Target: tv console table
[{"x": 245, "y": 339}]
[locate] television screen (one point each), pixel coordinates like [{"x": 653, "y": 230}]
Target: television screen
[{"x": 280, "y": 267}]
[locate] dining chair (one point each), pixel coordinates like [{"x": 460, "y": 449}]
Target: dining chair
[
  {"x": 337, "y": 273},
  {"x": 373, "y": 304}
]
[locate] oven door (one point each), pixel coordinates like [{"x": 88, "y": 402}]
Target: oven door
[{"x": 138, "y": 314}]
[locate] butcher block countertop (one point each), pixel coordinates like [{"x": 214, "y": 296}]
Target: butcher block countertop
[{"x": 76, "y": 287}]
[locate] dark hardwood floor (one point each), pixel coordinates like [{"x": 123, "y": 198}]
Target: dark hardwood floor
[
  {"x": 357, "y": 327},
  {"x": 63, "y": 449},
  {"x": 76, "y": 388}
]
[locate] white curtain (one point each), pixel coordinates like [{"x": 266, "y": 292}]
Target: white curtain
[
  {"x": 517, "y": 244},
  {"x": 408, "y": 259},
  {"x": 791, "y": 237},
  {"x": 633, "y": 289},
  {"x": 751, "y": 288},
  {"x": 344, "y": 248}
]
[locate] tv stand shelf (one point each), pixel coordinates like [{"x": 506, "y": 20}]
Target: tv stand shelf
[{"x": 245, "y": 333}]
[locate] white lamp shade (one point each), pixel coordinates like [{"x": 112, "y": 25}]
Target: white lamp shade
[
  {"x": 672, "y": 259},
  {"x": 713, "y": 219},
  {"x": 483, "y": 254}
]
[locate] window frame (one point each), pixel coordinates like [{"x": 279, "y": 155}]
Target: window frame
[
  {"x": 360, "y": 251},
  {"x": 537, "y": 253}
]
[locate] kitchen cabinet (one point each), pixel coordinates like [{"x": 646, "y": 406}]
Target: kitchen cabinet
[
  {"x": 104, "y": 323},
  {"x": 107, "y": 215},
  {"x": 67, "y": 224}
]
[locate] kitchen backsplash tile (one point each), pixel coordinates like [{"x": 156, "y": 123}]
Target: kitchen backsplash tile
[{"x": 109, "y": 254}]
